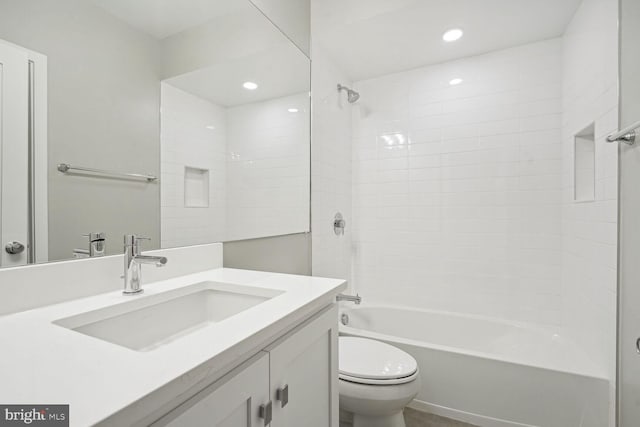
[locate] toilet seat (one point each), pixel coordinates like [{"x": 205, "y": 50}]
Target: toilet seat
[
  {"x": 367, "y": 361},
  {"x": 368, "y": 381}
]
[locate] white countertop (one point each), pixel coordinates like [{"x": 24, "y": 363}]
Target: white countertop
[{"x": 44, "y": 363}]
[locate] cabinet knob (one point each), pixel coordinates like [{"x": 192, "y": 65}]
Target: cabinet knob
[
  {"x": 282, "y": 394},
  {"x": 266, "y": 413}
]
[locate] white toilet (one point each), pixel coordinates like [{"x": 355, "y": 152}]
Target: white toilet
[{"x": 377, "y": 381}]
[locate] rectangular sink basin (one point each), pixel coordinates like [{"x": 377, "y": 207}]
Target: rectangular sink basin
[{"x": 146, "y": 323}]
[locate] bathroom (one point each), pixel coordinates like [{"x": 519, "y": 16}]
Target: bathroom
[{"x": 355, "y": 213}]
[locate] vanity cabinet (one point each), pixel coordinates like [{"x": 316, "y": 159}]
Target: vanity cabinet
[
  {"x": 231, "y": 401},
  {"x": 304, "y": 374},
  {"x": 291, "y": 382}
]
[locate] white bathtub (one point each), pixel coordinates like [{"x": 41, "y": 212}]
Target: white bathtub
[{"x": 489, "y": 372}]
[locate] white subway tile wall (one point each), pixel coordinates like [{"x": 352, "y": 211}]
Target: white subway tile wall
[
  {"x": 193, "y": 135},
  {"x": 463, "y": 195},
  {"x": 331, "y": 169},
  {"x": 589, "y": 230},
  {"x": 268, "y": 168},
  {"x": 259, "y": 173},
  {"x": 457, "y": 190}
]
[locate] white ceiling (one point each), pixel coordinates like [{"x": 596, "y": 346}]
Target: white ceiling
[
  {"x": 370, "y": 38},
  {"x": 162, "y": 18},
  {"x": 279, "y": 68},
  {"x": 280, "y": 71}
]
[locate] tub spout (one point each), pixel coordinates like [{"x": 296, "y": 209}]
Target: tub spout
[{"x": 343, "y": 297}]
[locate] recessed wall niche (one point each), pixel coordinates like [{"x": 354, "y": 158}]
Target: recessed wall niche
[
  {"x": 585, "y": 165},
  {"x": 196, "y": 187}
]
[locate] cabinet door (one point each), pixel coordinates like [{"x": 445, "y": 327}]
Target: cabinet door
[
  {"x": 232, "y": 401},
  {"x": 304, "y": 374}
]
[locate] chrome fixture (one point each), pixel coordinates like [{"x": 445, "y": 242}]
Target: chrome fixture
[
  {"x": 352, "y": 95},
  {"x": 344, "y": 319},
  {"x": 97, "y": 246},
  {"x": 343, "y": 297},
  {"x": 66, "y": 168},
  {"x": 14, "y": 248},
  {"x": 133, "y": 261},
  {"x": 626, "y": 135},
  {"x": 339, "y": 224}
]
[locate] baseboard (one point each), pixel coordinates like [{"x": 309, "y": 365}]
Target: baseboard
[{"x": 467, "y": 417}]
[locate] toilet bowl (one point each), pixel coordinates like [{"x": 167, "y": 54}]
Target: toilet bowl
[{"x": 377, "y": 381}]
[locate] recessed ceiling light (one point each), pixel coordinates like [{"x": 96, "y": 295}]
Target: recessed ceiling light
[
  {"x": 250, "y": 85},
  {"x": 454, "y": 82},
  {"x": 452, "y": 35},
  {"x": 210, "y": 127},
  {"x": 292, "y": 110}
]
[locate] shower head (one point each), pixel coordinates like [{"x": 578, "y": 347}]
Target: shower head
[{"x": 352, "y": 95}]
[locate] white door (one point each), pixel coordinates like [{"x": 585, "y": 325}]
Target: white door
[
  {"x": 14, "y": 128},
  {"x": 232, "y": 401},
  {"x": 304, "y": 374},
  {"x": 629, "y": 279}
]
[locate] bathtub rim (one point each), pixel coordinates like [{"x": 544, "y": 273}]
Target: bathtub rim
[{"x": 592, "y": 372}]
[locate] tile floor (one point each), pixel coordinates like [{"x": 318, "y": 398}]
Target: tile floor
[{"x": 415, "y": 418}]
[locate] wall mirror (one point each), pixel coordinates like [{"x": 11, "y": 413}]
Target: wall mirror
[{"x": 186, "y": 121}]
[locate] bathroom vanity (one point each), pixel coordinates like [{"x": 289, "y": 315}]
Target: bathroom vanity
[
  {"x": 219, "y": 347},
  {"x": 110, "y": 130}
]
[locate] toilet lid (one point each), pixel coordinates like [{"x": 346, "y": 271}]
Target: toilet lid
[{"x": 374, "y": 360}]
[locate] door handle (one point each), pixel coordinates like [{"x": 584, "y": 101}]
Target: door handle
[
  {"x": 14, "y": 248},
  {"x": 638, "y": 345},
  {"x": 282, "y": 394}
]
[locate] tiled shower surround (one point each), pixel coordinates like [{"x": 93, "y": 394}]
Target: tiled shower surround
[
  {"x": 457, "y": 189},
  {"x": 249, "y": 167},
  {"x": 589, "y": 230},
  {"x": 463, "y": 195}
]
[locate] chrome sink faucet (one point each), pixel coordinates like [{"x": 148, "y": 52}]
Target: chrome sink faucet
[
  {"x": 133, "y": 261},
  {"x": 97, "y": 246}
]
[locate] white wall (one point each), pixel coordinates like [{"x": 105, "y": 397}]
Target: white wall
[
  {"x": 221, "y": 40},
  {"x": 193, "y": 134},
  {"x": 457, "y": 190},
  {"x": 629, "y": 291},
  {"x": 100, "y": 115},
  {"x": 292, "y": 17},
  {"x": 589, "y": 230},
  {"x": 289, "y": 254},
  {"x": 268, "y": 168},
  {"x": 331, "y": 169}
]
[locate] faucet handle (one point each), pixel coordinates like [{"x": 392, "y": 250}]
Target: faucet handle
[
  {"x": 133, "y": 240},
  {"x": 96, "y": 236}
]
